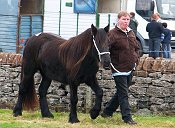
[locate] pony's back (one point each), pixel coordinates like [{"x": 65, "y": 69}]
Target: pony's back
[
  {"x": 35, "y": 43},
  {"x": 43, "y": 38}
]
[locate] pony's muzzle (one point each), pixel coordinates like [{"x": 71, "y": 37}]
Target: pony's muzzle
[
  {"x": 106, "y": 65},
  {"x": 106, "y": 60}
]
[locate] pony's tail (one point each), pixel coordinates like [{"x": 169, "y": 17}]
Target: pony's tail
[{"x": 30, "y": 99}]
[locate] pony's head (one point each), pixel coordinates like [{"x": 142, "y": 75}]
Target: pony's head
[{"x": 101, "y": 44}]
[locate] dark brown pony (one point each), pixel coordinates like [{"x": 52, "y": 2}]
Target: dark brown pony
[{"x": 70, "y": 62}]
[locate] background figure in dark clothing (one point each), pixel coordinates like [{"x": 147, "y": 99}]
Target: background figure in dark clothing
[
  {"x": 154, "y": 29},
  {"x": 133, "y": 22},
  {"x": 166, "y": 43}
]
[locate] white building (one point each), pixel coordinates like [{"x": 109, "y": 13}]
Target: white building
[{"x": 59, "y": 16}]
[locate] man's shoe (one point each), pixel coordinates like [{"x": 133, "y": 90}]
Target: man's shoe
[
  {"x": 131, "y": 122},
  {"x": 106, "y": 115}
]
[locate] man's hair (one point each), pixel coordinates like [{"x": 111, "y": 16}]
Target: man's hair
[
  {"x": 154, "y": 16},
  {"x": 123, "y": 13},
  {"x": 164, "y": 25},
  {"x": 158, "y": 14},
  {"x": 132, "y": 14}
]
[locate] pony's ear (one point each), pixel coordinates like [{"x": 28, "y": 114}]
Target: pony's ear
[
  {"x": 107, "y": 28},
  {"x": 93, "y": 30}
]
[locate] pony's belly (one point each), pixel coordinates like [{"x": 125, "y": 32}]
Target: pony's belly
[
  {"x": 60, "y": 78},
  {"x": 56, "y": 75}
]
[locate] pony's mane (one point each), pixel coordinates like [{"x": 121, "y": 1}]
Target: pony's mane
[{"x": 73, "y": 51}]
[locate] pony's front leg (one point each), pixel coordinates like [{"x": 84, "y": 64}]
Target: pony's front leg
[
  {"x": 45, "y": 83},
  {"x": 95, "y": 111},
  {"x": 73, "y": 102}
]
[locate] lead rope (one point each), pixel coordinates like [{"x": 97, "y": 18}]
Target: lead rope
[
  {"x": 114, "y": 67},
  {"x": 99, "y": 53},
  {"x": 118, "y": 70}
]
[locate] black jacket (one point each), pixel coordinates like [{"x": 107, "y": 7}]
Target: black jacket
[
  {"x": 167, "y": 37},
  {"x": 154, "y": 29}
]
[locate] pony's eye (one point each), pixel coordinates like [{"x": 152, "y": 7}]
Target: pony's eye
[{"x": 108, "y": 39}]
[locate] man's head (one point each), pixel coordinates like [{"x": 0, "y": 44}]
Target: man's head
[
  {"x": 154, "y": 17},
  {"x": 164, "y": 25},
  {"x": 123, "y": 20},
  {"x": 158, "y": 15},
  {"x": 132, "y": 14}
]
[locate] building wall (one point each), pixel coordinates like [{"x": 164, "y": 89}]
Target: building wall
[
  {"x": 18, "y": 21},
  {"x": 109, "y": 6},
  {"x": 8, "y": 25},
  {"x": 64, "y": 22}
]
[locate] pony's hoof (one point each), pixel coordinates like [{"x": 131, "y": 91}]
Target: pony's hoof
[
  {"x": 94, "y": 113},
  {"x": 73, "y": 121},
  {"x": 50, "y": 115},
  {"x": 15, "y": 114}
]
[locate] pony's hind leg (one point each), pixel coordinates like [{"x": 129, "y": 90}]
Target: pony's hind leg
[
  {"x": 25, "y": 89},
  {"x": 45, "y": 83},
  {"x": 95, "y": 111},
  {"x": 17, "y": 111}
]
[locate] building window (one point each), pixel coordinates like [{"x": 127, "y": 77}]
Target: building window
[{"x": 84, "y": 6}]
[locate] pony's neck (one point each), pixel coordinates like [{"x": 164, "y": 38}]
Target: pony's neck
[{"x": 73, "y": 51}]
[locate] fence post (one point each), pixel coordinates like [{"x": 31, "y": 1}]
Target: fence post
[
  {"x": 77, "y": 23},
  {"x": 109, "y": 19},
  {"x": 59, "y": 19},
  {"x": 97, "y": 15},
  {"x": 88, "y": 102}
]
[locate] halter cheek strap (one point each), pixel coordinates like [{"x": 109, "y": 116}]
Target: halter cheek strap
[{"x": 99, "y": 53}]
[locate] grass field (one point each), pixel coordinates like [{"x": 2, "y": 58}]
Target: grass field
[{"x": 34, "y": 120}]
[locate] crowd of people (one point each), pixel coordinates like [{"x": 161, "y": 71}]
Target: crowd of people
[{"x": 159, "y": 38}]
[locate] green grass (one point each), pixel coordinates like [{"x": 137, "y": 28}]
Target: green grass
[{"x": 34, "y": 120}]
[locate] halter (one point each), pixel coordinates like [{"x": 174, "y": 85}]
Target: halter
[
  {"x": 102, "y": 53},
  {"x": 99, "y": 53}
]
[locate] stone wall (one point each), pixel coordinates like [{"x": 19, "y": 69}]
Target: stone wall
[{"x": 153, "y": 87}]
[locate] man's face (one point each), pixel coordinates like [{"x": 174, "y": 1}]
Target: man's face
[{"x": 123, "y": 22}]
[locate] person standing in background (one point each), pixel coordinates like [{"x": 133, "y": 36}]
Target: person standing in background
[
  {"x": 155, "y": 30},
  {"x": 166, "y": 43},
  {"x": 133, "y": 22},
  {"x": 158, "y": 19},
  {"x": 124, "y": 52}
]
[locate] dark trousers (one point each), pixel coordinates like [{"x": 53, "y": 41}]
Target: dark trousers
[
  {"x": 120, "y": 98},
  {"x": 166, "y": 47},
  {"x": 154, "y": 47}
]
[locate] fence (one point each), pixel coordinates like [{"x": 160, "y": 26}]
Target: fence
[{"x": 153, "y": 86}]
